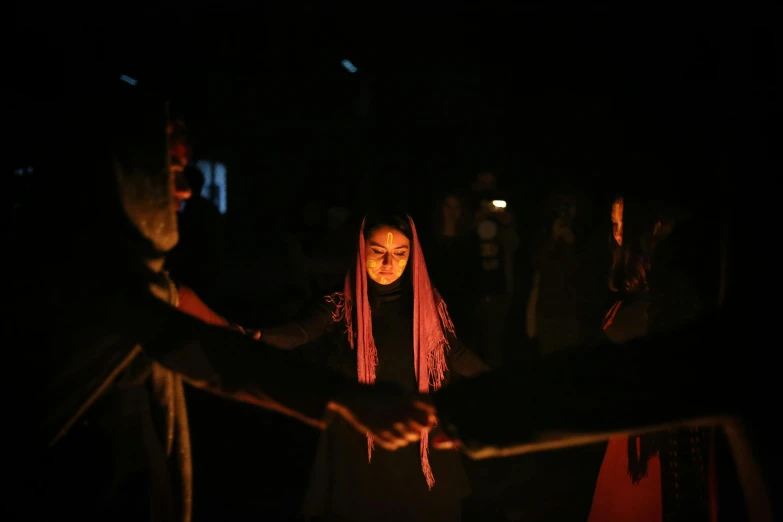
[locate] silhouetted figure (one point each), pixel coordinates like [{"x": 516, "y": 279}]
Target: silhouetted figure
[
  {"x": 453, "y": 252},
  {"x": 663, "y": 475},
  {"x": 102, "y": 428},
  {"x": 198, "y": 258},
  {"x": 571, "y": 261},
  {"x": 495, "y": 226}
]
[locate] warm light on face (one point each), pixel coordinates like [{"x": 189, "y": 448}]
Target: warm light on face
[
  {"x": 617, "y": 220},
  {"x": 499, "y": 203},
  {"x": 179, "y": 155},
  {"x": 387, "y": 251}
]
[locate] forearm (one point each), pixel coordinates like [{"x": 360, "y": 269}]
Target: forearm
[
  {"x": 297, "y": 333},
  {"x": 230, "y": 364},
  {"x": 285, "y": 337},
  {"x": 190, "y": 303},
  {"x": 594, "y": 391}
]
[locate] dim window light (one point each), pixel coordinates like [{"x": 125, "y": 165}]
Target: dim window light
[
  {"x": 214, "y": 183},
  {"x": 127, "y": 79}
]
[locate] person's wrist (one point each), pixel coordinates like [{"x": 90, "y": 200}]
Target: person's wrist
[{"x": 340, "y": 399}]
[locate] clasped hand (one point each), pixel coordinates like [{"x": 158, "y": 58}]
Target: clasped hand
[{"x": 391, "y": 416}]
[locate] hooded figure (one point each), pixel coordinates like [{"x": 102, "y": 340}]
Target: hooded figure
[
  {"x": 390, "y": 325},
  {"x": 98, "y": 348}
]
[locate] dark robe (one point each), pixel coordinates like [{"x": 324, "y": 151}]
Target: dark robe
[
  {"x": 668, "y": 471},
  {"x": 587, "y": 394},
  {"x": 344, "y": 485},
  {"x": 98, "y": 368}
]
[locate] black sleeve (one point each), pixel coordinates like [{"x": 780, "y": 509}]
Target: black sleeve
[
  {"x": 595, "y": 390},
  {"x": 302, "y": 331},
  {"x": 231, "y": 364}
]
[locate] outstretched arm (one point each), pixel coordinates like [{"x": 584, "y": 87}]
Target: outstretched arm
[
  {"x": 590, "y": 393},
  {"x": 302, "y": 331},
  {"x": 190, "y": 303},
  {"x": 220, "y": 360}
]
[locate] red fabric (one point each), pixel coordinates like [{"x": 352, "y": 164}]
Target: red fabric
[
  {"x": 431, "y": 322},
  {"x": 191, "y": 304},
  {"x": 617, "y": 498}
]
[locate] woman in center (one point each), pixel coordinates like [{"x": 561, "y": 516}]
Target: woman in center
[{"x": 391, "y": 325}]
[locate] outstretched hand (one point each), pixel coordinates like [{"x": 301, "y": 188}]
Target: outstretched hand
[{"x": 393, "y": 417}]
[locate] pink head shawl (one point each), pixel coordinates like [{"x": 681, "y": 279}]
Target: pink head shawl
[{"x": 431, "y": 321}]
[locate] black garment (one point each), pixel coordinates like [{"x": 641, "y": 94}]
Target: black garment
[
  {"x": 344, "y": 485},
  {"x": 493, "y": 259},
  {"x": 683, "y": 452},
  {"x": 198, "y": 259},
  {"x": 496, "y": 244},
  {"x": 454, "y": 267},
  {"x": 113, "y": 464},
  {"x": 73, "y": 327},
  {"x": 392, "y": 486},
  {"x": 594, "y": 389}
]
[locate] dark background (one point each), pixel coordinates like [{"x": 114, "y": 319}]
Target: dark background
[
  {"x": 682, "y": 99},
  {"x": 595, "y": 92}
]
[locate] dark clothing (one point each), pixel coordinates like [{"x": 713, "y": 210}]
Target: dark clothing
[
  {"x": 588, "y": 390},
  {"x": 498, "y": 241},
  {"x": 197, "y": 260},
  {"x": 583, "y": 395},
  {"x": 684, "y": 453},
  {"x": 454, "y": 267},
  {"x": 344, "y": 485},
  {"x": 572, "y": 290},
  {"x": 494, "y": 253},
  {"x": 99, "y": 335}
]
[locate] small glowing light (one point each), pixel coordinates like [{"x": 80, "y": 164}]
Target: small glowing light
[
  {"x": 351, "y": 68},
  {"x": 127, "y": 79},
  {"x": 499, "y": 203}
]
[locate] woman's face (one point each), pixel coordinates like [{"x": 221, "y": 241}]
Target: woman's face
[
  {"x": 386, "y": 250},
  {"x": 617, "y": 220}
]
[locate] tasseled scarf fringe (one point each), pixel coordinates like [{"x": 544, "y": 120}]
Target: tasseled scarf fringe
[{"x": 431, "y": 326}]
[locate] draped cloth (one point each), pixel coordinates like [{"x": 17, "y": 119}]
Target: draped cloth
[{"x": 431, "y": 323}]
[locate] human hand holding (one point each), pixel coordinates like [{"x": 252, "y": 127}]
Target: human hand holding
[{"x": 391, "y": 416}]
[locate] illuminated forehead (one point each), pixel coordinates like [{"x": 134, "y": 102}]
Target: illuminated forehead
[{"x": 389, "y": 238}]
